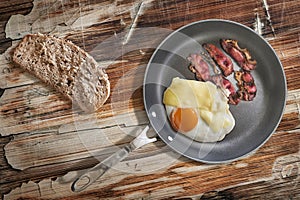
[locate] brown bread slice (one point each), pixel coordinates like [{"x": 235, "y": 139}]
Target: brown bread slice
[{"x": 65, "y": 67}]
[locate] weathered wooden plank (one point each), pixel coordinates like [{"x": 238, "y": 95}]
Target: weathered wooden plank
[
  {"x": 73, "y": 141},
  {"x": 8, "y": 8},
  {"x": 190, "y": 178}
]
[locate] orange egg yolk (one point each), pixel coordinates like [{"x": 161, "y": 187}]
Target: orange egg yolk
[{"x": 183, "y": 119}]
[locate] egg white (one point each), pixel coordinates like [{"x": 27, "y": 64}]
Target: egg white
[
  {"x": 202, "y": 131},
  {"x": 210, "y": 103}
]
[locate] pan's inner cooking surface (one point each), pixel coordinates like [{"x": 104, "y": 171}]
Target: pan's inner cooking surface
[{"x": 255, "y": 120}]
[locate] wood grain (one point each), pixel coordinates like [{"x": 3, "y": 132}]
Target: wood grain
[{"x": 45, "y": 143}]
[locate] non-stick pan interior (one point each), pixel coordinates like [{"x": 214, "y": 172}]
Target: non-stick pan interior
[{"x": 255, "y": 120}]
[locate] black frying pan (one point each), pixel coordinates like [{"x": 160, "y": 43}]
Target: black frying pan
[{"x": 255, "y": 120}]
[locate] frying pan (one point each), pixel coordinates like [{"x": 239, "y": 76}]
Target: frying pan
[{"x": 255, "y": 120}]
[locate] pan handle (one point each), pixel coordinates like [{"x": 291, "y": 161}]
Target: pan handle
[{"x": 97, "y": 171}]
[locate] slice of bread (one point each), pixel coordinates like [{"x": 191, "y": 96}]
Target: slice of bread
[{"x": 66, "y": 67}]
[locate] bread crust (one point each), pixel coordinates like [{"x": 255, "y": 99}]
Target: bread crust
[{"x": 66, "y": 67}]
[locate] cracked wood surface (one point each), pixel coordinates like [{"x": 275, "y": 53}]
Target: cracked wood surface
[{"x": 45, "y": 143}]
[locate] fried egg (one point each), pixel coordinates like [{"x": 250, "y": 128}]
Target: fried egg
[{"x": 198, "y": 110}]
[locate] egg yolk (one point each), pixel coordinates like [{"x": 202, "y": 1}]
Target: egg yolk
[{"x": 183, "y": 119}]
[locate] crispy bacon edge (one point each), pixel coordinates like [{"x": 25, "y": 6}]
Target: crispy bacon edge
[
  {"x": 224, "y": 62},
  {"x": 247, "y": 88},
  {"x": 241, "y": 56}
]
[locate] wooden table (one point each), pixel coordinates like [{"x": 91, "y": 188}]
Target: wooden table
[{"x": 45, "y": 145}]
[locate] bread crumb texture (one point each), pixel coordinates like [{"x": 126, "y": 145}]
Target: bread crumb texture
[{"x": 66, "y": 67}]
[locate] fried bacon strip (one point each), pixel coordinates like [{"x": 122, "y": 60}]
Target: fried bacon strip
[
  {"x": 247, "y": 88},
  {"x": 241, "y": 56},
  {"x": 220, "y": 58},
  {"x": 221, "y": 81},
  {"x": 199, "y": 67}
]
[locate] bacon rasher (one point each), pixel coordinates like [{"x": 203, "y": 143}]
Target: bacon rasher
[
  {"x": 241, "y": 56},
  {"x": 247, "y": 88},
  {"x": 199, "y": 67},
  {"x": 220, "y": 58}
]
